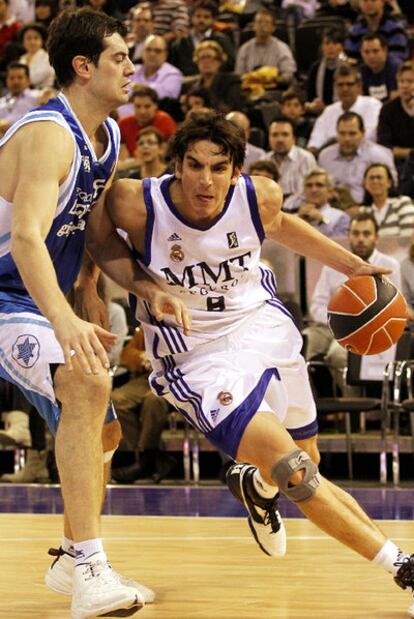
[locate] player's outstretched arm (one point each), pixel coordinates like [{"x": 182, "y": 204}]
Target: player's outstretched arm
[
  {"x": 34, "y": 196},
  {"x": 302, "y": 238},
  {"x": 123, "y": 209}
]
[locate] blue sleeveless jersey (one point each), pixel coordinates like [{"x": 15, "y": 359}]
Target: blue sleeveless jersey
[{"x": 77, "y": 194}]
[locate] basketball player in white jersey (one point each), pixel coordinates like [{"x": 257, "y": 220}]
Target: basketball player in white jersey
[
  {"x": 238, "y": 375},
  {"x": 54, "y": 164}
]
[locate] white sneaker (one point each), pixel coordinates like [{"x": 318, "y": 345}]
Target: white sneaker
[
  {"x": 59, "y": 576},
  {"x": 97, "y": 592}
]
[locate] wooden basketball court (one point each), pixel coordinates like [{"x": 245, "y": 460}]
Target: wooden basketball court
[{"x": 207, "y": 568}]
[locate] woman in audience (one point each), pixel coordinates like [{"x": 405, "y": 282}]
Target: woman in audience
[
  {"x": 150, "y": 151},
  {"x": 45, "y": 11},
  {"x": 224, "y": 89},
  {"x": 33, "y": 37},
  {"x": 394, "y": 213}
]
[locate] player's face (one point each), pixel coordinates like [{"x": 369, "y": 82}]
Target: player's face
[
  {"x": 205, "y": 177},
  {"x": 362, "y": 238},
  {"x": 110, "y": 80},
  {"x": 377, "y": 181}
]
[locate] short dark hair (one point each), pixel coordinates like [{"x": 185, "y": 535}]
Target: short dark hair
[
  {"x": 285, "y": 120},
  {"x": 346, "y": 70},
  {"x": 206, "y": 5},
  {"x": 334, "y": 35},
  {"x": 202, "y": 93},
  {"x": 365, "y": 215},
  {"x": 79, "y": 32},
  {"x": 213, "y": 127},
  {"x": 18, "y": 65},
  {"x": 141, "y": 90},
  {"x": 267, "y": 13},
  {"x": 350, "y": 116},
  {"x": 264, "y": 165},
  {"x": 39, "y": 28},
  {"x": 293, "y": 93},
  {"x": 373, "y": 36}
]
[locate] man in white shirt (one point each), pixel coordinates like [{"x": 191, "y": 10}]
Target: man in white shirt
[
  {"x": 291, "y": 161},
  {"x": 347, "y": 160},
  {"x": 265, "y": 49},
  {"x": 363, "y": 237},
  {"x": 19, "y": 99},
  {"x": 347, "y": 82}
]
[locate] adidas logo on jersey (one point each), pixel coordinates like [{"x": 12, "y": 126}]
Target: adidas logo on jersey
[{"x": 174, "y": 237}]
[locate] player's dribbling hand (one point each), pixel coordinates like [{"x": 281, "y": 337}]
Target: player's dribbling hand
[
  {"x": 370, "y": 269},
  {"x": 163, "y": 303},
  {"x": 87, "y": 341}
]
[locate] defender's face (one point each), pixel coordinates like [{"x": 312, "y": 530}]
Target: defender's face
[
  {"x": 110, "y": 79},
  {"x": 205, "y": 176}
]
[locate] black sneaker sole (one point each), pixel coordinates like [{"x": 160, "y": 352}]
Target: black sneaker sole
[{"x": 123, "y": 612}]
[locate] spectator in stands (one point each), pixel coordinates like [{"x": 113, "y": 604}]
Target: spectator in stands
[
  {"x": 265, "y": 167},
  {"x": 150, "y": 152},
  {"x": 293, "y": 106},
  {"x": 396, "y": 120},
  {"x": 224, "y": 88},
  {"x": 203, "y": 15},
  {"x": 156, "y": 72},
  {"x": 376, "y": 17},
  {"x": 347, "y": 160},
  {"x": 45, "y": 11},
  {"x": 253, "y": 153},
  {"x": 348, "y": 88},
  {"x": 142, "y": 416},
  {"x": 171, "y": 19},
  {"x": 407, "y": 279},
  {"x": 9, "y": 27},
  {"x": 313, "y": 205},
  {"x": 141, "y": 27},
  {"x": 19, "y": 98},
  {"x": 320, "y": 81},
  {"x": 337, "y": 8},
  {"x": 266, "y": 50},
  {"x": 394, "y": 214},
  {"x": 378, "y": 69},
  {"x": 292, "y": 162},
  {"x": 33, "y": 37},
  {"x": 363, "y": 238},
  {"x": 146, "y": 114},
  {"x": 195, "y": 99}
]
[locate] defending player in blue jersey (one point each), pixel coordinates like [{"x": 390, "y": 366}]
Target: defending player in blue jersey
[
  {"x": 238, "y": 376},
  {"x": 55, "y": 164}
]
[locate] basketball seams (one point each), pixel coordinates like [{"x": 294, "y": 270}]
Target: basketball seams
[
  {"x": 381, "y": 328},
  {"x": 366, "y": 324}
]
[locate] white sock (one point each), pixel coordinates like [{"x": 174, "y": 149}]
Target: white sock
[
  {"x": 87, "y": 548},
  {"x": 68, "y": 546},
  {"x": 390, "y": 557},
  {"x": 262, "y": 488}
]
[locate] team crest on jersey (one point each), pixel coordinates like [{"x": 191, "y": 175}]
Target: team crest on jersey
[
  {"x": 177, "y": 254},
  {"x": 86, "y": 163},
  {"x": 225, "y": 398},
  {"x": 174, "y": 237},
  {"x": 232, "y": 240},
  {"x": 25, "y": 350}
]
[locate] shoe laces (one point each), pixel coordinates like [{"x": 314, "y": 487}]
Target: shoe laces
[
  {"x": 271, "y": 517},
  {"x": 405, "y": 575}
]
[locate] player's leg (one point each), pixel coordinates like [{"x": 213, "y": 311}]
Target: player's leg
[
  {"x": 59, "y": 576},
  {"x": 79, "y": 456}
]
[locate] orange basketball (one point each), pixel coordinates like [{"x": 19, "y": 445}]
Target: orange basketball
[{"x": 367, "y": 314}]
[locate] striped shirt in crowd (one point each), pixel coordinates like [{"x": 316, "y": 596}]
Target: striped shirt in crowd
[
  {"x": 170, "y": 16},
  {"x": 395, "y": 218}
]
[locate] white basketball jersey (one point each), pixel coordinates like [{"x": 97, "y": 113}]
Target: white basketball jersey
[{"x": 214, "y": 271}]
